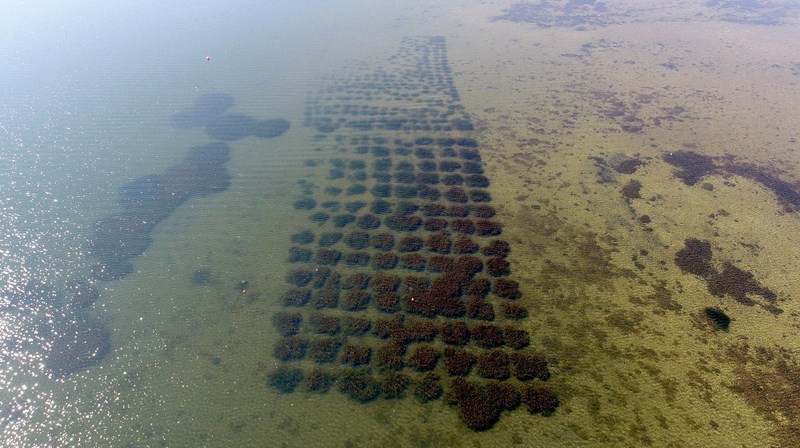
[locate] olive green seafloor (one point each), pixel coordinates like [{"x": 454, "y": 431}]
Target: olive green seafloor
[
  {"x": 645, "y": 364},
  {"x": 635, "y": 362}
]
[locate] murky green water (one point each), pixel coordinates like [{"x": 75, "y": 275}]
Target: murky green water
[{"x": 640, "y": 160}]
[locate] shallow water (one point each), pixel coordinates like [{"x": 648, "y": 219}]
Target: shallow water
[{"x": 576, "y": 107}]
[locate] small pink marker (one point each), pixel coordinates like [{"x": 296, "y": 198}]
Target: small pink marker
[{"x": 208, "y": 58}]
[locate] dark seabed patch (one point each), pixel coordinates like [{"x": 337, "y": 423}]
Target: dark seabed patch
[
  {"x": 692, "y": 167},
  {"x": 270, "y": 128},
  {"x": 730, "y": 281},
  {"x": 786, "y": 192},
  {"x": 80, "y": 295},
  {"x": 78, "y": 340},
  {"x": 205, "y": 108},
  {"x": 230, "y": 127},
  {"x": 149, "y": 200},
  {"x": 201, "y": 277},
  {"x": 769, "y": 379},
  {"x": 209, "y": 112}
]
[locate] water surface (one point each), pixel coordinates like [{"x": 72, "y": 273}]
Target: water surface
[{"x": 585, "y": 114}]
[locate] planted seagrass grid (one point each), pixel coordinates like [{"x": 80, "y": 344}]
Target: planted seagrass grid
[{"x": 399, "y": 285}]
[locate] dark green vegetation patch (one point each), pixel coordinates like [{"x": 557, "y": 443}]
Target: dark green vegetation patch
[{"x": 718, "y": 317}]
